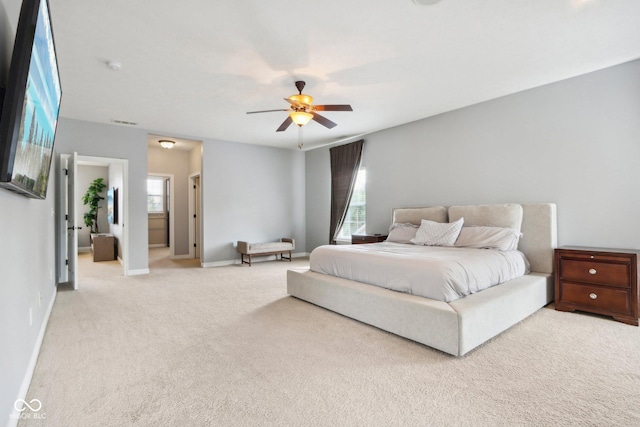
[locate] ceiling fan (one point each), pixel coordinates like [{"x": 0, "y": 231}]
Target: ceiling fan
[{"x": 301, "y": 110}]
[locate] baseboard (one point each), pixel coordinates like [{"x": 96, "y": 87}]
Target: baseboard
[
  {"x": 158, "y": 245},
  {"x": 301, "y": 254},
  {"x": 137, "y": 272},
  {"x": 187, "y": 256},
  {"x": 84, "y": 249},
  {"x": 253, "y": 261},
  {"x": 14, "y": 417}
]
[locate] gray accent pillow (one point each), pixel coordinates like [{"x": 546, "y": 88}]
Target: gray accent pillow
[
  {"x": 503, "y": 239},
  {"x": 402, "y": 233}
]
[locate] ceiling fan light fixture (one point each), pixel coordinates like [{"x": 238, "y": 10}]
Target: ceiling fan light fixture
[
  {"x": 166, "y": 143},
  {"x": 301, "y": 110},
  {"x": 302, "y": 99},
  {"x": 301, "y": 118}
]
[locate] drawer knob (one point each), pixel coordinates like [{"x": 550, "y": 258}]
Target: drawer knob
[
  {"x": 593, "y": 296},
  {"x": 592, "y": 271}
]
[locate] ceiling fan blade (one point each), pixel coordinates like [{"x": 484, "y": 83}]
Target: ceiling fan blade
[
  {"x": 297, "y": 104},
  {"x": 323, "y": 120},
  {"x": 285, "y": 124},
  {"x": 264, "y": 111},
  {"x": 342, "y": 107}
]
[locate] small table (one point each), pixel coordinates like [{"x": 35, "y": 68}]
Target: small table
[
  {"x": 357, "y": 239},
  {"x": 103, "y": 247}
]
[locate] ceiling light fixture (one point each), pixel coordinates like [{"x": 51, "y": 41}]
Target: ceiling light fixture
[
  {"x": 167, "y": 143},
  {"x": 301, "y": 118}
]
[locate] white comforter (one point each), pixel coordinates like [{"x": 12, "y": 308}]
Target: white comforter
[{"x": 441, "y": 273}]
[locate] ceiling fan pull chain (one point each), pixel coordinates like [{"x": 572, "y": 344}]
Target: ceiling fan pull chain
[{"x": 300, "y": 137}]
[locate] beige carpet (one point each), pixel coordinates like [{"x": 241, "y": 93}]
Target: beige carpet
[{"x": 227, "y": 347}]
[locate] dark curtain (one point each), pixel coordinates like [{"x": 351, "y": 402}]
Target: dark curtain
[{"x": 345, "y": 162}]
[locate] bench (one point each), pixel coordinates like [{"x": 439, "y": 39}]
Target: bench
[{"x": 281, "y": 247}]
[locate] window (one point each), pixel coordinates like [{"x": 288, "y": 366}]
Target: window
[
  {"x": 354, "y": 221},
  {"x": 155, "y": 195}
]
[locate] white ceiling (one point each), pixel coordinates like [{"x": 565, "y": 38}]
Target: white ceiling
[{"x": 194, "y": 68}]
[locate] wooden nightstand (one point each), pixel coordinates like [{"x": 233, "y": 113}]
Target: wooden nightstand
[
  {"x": 357, "y": 239},
  {"x": 597, "y": 280}
]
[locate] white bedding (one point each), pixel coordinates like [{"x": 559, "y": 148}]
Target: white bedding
[{"x": 440, "y": 273}]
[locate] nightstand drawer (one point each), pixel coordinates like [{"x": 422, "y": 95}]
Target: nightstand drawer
[
  {"x": 595, "y": 272},
  {"x": 596, "y": 297}
]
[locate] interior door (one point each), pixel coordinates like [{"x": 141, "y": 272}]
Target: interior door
[
  {"x": 196, "y": 218},
  {"x": 63, "y": 222},
  {"x": 68, "y": 260},
  {"x": 72, "y": 229}
]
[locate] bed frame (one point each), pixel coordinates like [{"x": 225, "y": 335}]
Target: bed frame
[{"x": 455, "y": 327}]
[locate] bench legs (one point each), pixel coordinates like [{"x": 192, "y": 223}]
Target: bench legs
[
  {"x": 243, "y": 261},
  {"x": 282, "y": 257}
]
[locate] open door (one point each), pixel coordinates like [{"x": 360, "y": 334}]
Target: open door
[
  {"x": 67, "y": 229},
  {"x": 194, "y": 216}
]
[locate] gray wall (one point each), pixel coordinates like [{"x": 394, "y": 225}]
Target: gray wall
[
  {"x": 120, "y": 142},
  {"x": 250, "y": 193},
  {"x": 177, "y": 163},
  {"x": 27, "y": 259},
  {"x": 575, "y": 143}
]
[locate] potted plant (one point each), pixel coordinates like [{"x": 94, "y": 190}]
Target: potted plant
[{"x": 92, "y": 198}]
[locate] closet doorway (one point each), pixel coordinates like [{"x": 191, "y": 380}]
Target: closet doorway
[
  {"x": 160, "y": 208},
  {"x": 170, "y": 171}
]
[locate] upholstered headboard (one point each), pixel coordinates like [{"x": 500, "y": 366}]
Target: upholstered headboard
[
  {"x": 538, "y": 226},
  {"x": 415, "y": 215}
]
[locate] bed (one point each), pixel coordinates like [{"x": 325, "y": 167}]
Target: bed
[{"x": 458, "y": 326}]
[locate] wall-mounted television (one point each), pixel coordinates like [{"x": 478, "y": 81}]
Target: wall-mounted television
[
  {"x": 112, "y": 205},
  {"x": 29, "y": 114}
]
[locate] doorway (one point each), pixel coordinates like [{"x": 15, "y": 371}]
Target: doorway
[
  {"x": 179, "y": 163},
  {"x": 70, "y": 216},
  {"x": 160, "y": 211}
]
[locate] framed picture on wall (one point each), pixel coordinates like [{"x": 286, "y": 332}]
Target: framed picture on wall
[{"x": 112, "y": 205}]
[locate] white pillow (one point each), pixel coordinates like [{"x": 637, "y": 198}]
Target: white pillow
[
  {"x": 504, "y": 239},
  {"x": 402, "y": 233},
  {"x": 433, "y": 233}
]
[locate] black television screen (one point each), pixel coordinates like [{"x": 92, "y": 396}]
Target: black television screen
[
  {"x": 31, "y": 104},
  {"x": 112, "y": 205}
]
